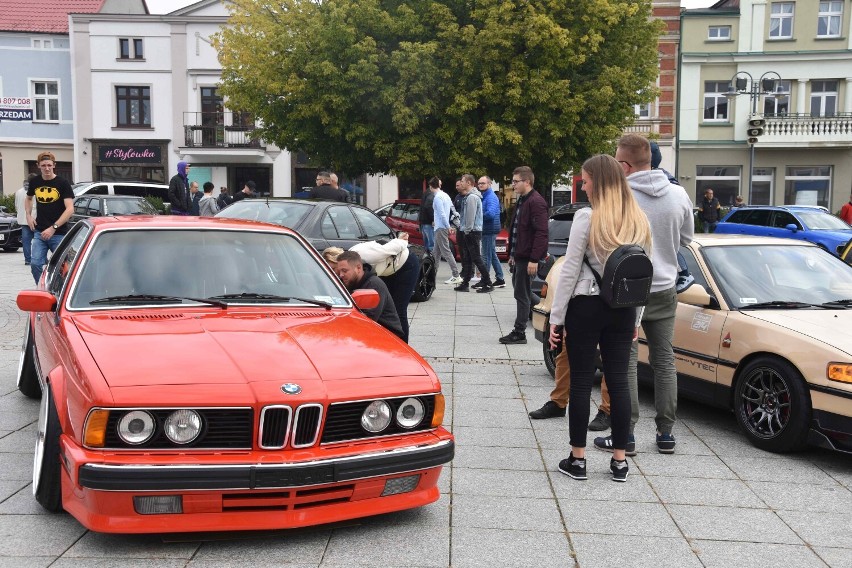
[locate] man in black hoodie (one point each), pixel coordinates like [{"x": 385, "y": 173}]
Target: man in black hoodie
[{"x": 357, "y": 275}]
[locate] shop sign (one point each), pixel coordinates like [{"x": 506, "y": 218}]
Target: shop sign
[
  {"x": 16, "y": 108},
  {"x": 120, "y": 154}
]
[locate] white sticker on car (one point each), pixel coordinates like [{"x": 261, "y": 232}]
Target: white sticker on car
[
  {"x": 701, "y": 322},
  {"x": 748, "y": 300}
]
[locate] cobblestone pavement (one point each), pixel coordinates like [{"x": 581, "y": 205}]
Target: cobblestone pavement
[{"x": 716, "y": 502}]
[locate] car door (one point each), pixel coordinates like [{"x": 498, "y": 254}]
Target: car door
[
  {"x": 339, "y": 228},
  {"x": 778, "y": 226},
  {"x": 372, "y": 228},
  {"x": 411, "y": 223},
  {"x": 395, "y": 219}
]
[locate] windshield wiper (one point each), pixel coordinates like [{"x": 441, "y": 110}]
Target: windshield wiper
[
  {"x": 270, "y": 298},
  {"x": 146, "y": 298},
  {"x": 839, "y": 303},
  {"x": 778, "y": 304}
]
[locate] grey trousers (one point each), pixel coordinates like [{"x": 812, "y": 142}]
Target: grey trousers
[
  {"x": 658, "y": 323},
  {"x": 442, "y": 250}
]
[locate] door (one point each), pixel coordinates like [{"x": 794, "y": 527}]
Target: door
[{"x": 212, "y": 117}]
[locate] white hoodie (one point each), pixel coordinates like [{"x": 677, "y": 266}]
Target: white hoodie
[{"x": 669, "y": 212}]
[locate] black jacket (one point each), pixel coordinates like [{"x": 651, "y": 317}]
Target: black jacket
[
  {"x": 178, "y": 194},
  {"x": 329, "y": 193},
  {"x": 385, "y": 313},
  {"x": 427, "y": 213}
]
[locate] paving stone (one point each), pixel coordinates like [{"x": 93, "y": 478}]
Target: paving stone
[
  {"x": 477, "y": 405},
  {"x": 835, "y": 557},
  {"x": 501, "y": 483},
  {"x": 820, "y": 529},
  {"x": 36, "y": 535},
  {"x": 21, "y": 441},
  {"x": 495, "y": 437},
  {"x": 722, "y": 554},
  {"x": 504, "y": 512},
  {"x": 600, "y": 487},
  {"x": 697, "y": 491},
  {"x": 611, "y": 517},
  {"x": 493, "y": 418},
  {"x": 682, "y": 466},
  {"x": 117, "y": 563},
  {"x": 811, "y": 498},
  {"x": 732, "y": 524},
  {"x": 475, "y": 547},
  {"x": 303, "y": 545},
  {"x": 633, "y": 551},
  {"x": 476, "y": 391},
  {"x": 790, "y": 470},
  {"x": 101, "y": 545},
  {"x": 16, "y": 467},
  {"x": 28, "y": 562},
  {"x": 526, "y": 459}
]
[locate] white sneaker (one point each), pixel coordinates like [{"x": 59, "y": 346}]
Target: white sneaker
[
  {"x": 454, "y": 280},
  {"x": 475, "y": 279}
]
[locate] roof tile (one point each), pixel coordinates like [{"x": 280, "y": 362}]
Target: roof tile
[{"x": 43, "y": 16}]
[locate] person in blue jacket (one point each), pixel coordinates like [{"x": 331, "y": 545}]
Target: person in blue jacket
[{"x": 490, "y": 229}]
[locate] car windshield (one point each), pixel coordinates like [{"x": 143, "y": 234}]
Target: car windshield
[
  {"x": 128, "y": 207},
  {"x": 817, "y": 221},
  {"x": 240, "y": 267},
  {"x": 756, "y": 274},
  {"x": 558, "y": 229},
  {"x": 285, "y": 213},
  {"x": 78, "y": 188}
]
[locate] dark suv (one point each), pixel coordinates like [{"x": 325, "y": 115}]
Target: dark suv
[
  {"x": 558, "y": 230},
  {"x": 802, "y": 222}
]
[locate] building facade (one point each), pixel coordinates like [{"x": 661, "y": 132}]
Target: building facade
[{"x": 788, "y": 63}]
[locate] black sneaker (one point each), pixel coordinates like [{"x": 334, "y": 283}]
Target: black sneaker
[
  {"x": 619, "y": 470},
  {"x": 485, "y": 289},
  {"x": 600, "y": 422},
  {"x": 478, "y": 285},
  {"x": 499, "y": 283},
  {"x": 605, "y": 444},
  {"x": 665, "y": 443},
  {"x": 514, "y": 338},
  {"x": 463, "y": 287},
  {"x": 575, "y": 468},
  {"x": 549, "y": 410}
]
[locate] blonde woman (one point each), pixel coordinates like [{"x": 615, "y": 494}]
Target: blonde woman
[{"x": 614, "y": 219}]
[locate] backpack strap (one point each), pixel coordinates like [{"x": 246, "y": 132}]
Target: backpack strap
[{"x": 595, "y": 272}]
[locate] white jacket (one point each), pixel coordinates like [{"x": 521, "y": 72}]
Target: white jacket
[{"x": 385, "y": 259}]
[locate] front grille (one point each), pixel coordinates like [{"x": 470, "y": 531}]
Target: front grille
[
  {"x": 223, "y": 428},
  {"x": 288, "y": 500},
  {"x": 306, "y": 430},
  {"x": 344, "y": 420},
  {"x": 274, "y": 427}
]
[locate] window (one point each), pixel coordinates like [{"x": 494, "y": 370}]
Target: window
[
  {"x": 723, "y": 180},
  {"x": 130, "y": 48},
  {"x": 762, "y": 183},
  {"x": 133, "y": 106},
  {"x": 778, "y": 103},
  {"x": 719, "y": 33},
  {"x": 783, "y": 218},
  {"x": 830, "y": 16},
  {"x": 823, "y": 98},
  {"x": 46, "y": 98},
  {"x": 372, "y": 225},
  {"x": 642, "y": 110},
  {"x": 42, "y": 43},
  {"x": 339, "y": 223},
  {"x": 694, "y": 269},
  {"x": 715, "y": 101},
  {"x": 807, "y": 185},
  {"x": 781, "y": 20}
]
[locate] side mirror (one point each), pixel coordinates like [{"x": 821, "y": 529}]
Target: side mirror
[
  {"x": 792, "y": 227},
  {"x": 365, "y": 299},
  {"x": 36, "y": 301},
  {"x": 695, "y": 295}
]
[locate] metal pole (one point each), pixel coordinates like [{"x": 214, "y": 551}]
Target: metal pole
[
  {"x": 755, "y": 95},
  {"x": 750, "y": 173}
]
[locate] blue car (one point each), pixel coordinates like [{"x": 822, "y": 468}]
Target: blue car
[{"x": 802, "y": 222}]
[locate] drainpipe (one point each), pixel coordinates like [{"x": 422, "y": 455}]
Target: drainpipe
[{"x": 677, "y": 95}]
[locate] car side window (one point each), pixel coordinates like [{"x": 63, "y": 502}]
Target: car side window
[
  {"x": 94, "y": 207},
  {"x": 374, "y": 228},
  {"x": 759, "y": 217},
  {"x": 398, "y": 210},
  {"x": 59, "y": 271},
  {"x": 412, "y": 213},
  {"x": 739, "y": 216},
  {"x": 694, "y": 269},
  {"x": 81, "y": 206},
  {"x": 339, "y": 222},
  {"x": 784, "y": 218}
]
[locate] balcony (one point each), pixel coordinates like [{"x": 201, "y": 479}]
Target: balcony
[
  {"x": 798, "y": 129},
  {"x": 218, "y": 130}
]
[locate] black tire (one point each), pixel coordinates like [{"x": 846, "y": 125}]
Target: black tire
[
  {"x": 47, "y": 471},
  {"x": 28, "y": 382},
  {"x": 11, "y": 249},
  {"x": 425, "y": 280},
  {"x": 548, "y": 353},
  {"x": 772, "y": 405}
]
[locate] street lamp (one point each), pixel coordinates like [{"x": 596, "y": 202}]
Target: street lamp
[{"x": 742, "y": 83}]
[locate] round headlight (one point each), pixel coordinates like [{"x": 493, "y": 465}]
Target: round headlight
[
  {"x": 410, "y": 413},
  {"x": 136, "y": 427},
  {"x": 182, "y": 426},
  {"x": 376, "y": 417}
]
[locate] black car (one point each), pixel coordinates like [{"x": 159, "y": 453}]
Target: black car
[
  {"x": 10, "y": 232},
  {"x": 332, "y": 224},
  {"x": 87, "y": 206},
  {"x": 558, "y": 230}
]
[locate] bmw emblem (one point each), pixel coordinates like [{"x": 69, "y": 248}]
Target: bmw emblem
[{"x": 291, "y": 388}]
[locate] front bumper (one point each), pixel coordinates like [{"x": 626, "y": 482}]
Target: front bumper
[
  {"x": 831, "y": 431},
  {"x": 10, "y": 238},
  {"x": 105, "y": 477}
]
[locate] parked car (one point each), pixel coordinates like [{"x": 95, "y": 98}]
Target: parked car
[
  {"x": 331, "y": 223},
  {"x": 383, "y": 210},
  {"x": 232, "y": 385},
  {"x": 10, "y": 232},
  {"x": 808, "y": 223},
  {"x": 137, "y": 189},
  {"x": 558, "y": 230},
  {"x": 404, "y": 215},
  {"x": 105, "y": 205},
  {"x": 762, "y": 331}
]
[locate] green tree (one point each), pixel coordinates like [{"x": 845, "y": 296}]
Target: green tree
[{"x": 423, "y": 86}]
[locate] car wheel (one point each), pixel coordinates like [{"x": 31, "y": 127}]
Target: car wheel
[
  {"x": 47, "y": 486},
  {"x": 28, "y": 382},
  {"x": 772, "y": 405},
  {"x": 426, "y": 279},
  {"x": 549, "y": 354}
]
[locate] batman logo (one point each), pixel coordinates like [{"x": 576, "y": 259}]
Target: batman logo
[{"x": 46, "y": 194}]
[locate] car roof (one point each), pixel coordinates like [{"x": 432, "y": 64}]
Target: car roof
[
  {"x": 101, "y": 224},
  {"x": 411, "y": 201},
  {"x": 716, "y": 240},
  {"x": 139, "y": 183},
  {"x": 89, "y": 196},
  {"x": 816, "y": 208}
]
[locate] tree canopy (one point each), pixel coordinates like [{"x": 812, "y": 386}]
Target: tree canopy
[{"x": 425, "y": 86}]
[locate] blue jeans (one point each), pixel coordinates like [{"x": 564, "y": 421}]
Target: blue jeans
[
  {"x": 401, "y": 285},
  {"x": 27, "y": 242},
  {"x": 489, "y": 255},
  {"x": 710, "y": 226},
  {"x": 428, "y": 232},
  {"x": 39, "y": 252}
]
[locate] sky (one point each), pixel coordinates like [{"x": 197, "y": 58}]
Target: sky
[{"x": 166, "y": 6}]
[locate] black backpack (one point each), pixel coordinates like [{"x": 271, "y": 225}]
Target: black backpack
[{"x": 626, "y": 281}]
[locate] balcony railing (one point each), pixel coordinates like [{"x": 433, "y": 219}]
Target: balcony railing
[
  {"x": 218, "y": 130},
  {"x": 792, "y": 128}
]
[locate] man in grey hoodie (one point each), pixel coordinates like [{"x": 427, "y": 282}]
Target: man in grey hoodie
[
  {"x": 669, "y": 212},
  {"x": 471, "y": 228}
]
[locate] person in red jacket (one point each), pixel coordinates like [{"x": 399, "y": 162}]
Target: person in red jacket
[
  {"x": 527, "y": 246},
  {"x": 846, "y": 211}
]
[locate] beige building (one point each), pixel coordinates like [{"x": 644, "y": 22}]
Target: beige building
[{"x": 789, "y": 62}]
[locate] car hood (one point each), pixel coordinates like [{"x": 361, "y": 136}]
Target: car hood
[
  {"x": 832, "y": 327},
  {"x": 171, "y": 348}
]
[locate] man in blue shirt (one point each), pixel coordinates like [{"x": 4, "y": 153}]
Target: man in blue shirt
[{"x": 490, "y": 229}]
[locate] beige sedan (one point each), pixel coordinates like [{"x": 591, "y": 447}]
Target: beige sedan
[{"x": 765, "y": 330}]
